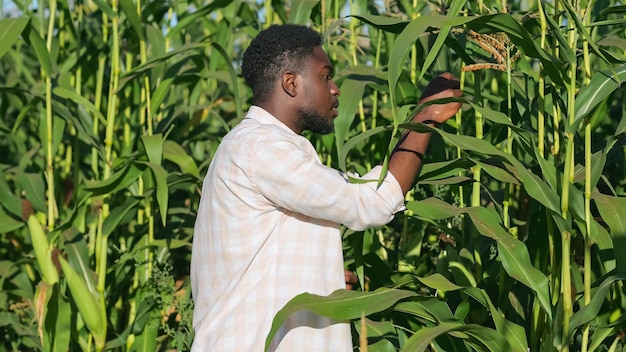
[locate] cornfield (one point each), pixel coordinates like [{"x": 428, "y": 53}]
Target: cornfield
[{"x": 511, "y": 238}]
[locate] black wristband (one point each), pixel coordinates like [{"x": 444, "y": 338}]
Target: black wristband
[{"x": 400, "y": 149}]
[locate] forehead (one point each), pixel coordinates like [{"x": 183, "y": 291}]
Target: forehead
[{"x": 319, "y": 59}]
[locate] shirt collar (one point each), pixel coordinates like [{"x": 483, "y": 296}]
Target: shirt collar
[{"x": 261, "y": 115}]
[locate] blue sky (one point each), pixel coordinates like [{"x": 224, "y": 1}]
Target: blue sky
[{"x": 8, "y": 6}]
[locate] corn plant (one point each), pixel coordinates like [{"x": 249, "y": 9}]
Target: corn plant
[{"x": 511, "y": 237}]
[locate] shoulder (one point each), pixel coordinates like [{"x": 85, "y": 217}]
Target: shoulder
[{"x": 250, "y": 132}]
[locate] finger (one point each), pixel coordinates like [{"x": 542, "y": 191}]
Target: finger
[
  {"x": 350, "y": 277},
  {"x": 447, "y": 75},
  {"x": 440, "y": 84}
]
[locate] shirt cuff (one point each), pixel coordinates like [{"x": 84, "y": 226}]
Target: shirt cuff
[{"x": 390, "y": 188}]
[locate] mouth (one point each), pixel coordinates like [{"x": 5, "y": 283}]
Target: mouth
[{"x": 335, "y": 109}]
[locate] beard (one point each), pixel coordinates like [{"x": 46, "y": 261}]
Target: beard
[{"x": 309, "y": 120}]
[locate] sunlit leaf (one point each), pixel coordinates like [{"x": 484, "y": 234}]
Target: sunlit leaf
[
  {"x": 339, "y": 305},
  {"x": 602, "y": 84},
  {"x": 439, "y": 282}
]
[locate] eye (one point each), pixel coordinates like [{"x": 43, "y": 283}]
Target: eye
[{"x": 328, "y": 77}]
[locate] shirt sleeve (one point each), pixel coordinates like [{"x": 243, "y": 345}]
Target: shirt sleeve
[{"x": 288, "y": 175}]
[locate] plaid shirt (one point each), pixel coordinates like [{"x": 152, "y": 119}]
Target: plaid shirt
[{"x": 268, "y": 229}]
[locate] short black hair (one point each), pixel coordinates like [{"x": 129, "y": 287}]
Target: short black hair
[{"x": 274, "y": 49}]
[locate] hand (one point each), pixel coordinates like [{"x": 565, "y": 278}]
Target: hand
[
  {"x": 442, "y": 86},
  {"x": 351, "y": 279}
]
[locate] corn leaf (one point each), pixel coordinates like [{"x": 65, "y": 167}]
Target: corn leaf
[
  {"x": 339, "y": 305},
  {"x": 11, "y": 30}
]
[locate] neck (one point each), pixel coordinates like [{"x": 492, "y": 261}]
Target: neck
[{"x": 281, "y": 111}]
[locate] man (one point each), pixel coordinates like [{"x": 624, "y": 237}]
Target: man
[{"x": 268, "y": 225}]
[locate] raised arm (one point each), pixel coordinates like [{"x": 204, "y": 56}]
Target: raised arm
[{"x": 406, "y": 159}]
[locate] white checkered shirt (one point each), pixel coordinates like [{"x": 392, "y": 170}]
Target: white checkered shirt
[{"x": 268, "y": 229}]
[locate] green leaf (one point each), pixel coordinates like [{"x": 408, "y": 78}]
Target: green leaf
[
  {"x": 602, "y": 84},
  {"x": 420, "y": 340},
  {"x": 147, "y": 339},
  {"x": 42, "y": 250},
  {"x": 409, "y": 35},
  {"x": 173, "y": 152},
  {"x": 121, "y": 179},
  {"x": 59, "y": 321},
  {"x": 535, "y": 186},
  {"x": 497, "y": 172},
  {"x": 385, "y": 23},
  {"x": 9, "y": 223},
  {"x": 575, "y": 17},
  {"x": 11, "y": 202},
  {"x": 382, "y": 346},
  {"x": 452, "y": 9},
  {"x": 71, "y": 95},
  {"x": 77, "y": 254},
  {"x": 11, "y": 30},
  {"x": 117, "y": 214},
  {"x": 153, "y": 147},
  {"x": 488, "y": 339},
  {"x": 351, "y": 94},
  {"x": 339, "y": 305},
  {"x": 195, "y": 17},
  {"x": 39, "y": 46},
  {"x": 555, "y": 29},
  {"x": 613, "y": 212},
  {"x": 343, "y": 153},
  {"x": 162, "y": 192},
  {"x": 591, "y": 310},
  {"x": 601, "y": 237},
  {"x": 85, "y": 302},
  {"x": 430, "y": 309},
  {"x": 301, "y": 11},
  {"x": 439, "y": 282},
  {"x": 513, "y": 253},
  {"x": 156, "y": 62},
  {"x": 160, "y": 93},
  {"x": 376, "y": 328},
  {"x": 443, "y": 169},
  {"x": 504, "y": 22},
  {"x": 233, "y": 77},
  {"x": 130, "y": 10},
  {"x": 34, "y": 190},
  {"x": 515, "y": 334},
  {"x": 104, "y": 7}
]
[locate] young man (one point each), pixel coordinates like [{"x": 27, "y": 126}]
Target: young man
[{"x": 268, "y": 225}]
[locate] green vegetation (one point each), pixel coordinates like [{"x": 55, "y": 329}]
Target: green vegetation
[{"x": 511, "y": 239}]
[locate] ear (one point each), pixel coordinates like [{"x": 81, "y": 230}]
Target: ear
[{"x": 288, "y": 82}]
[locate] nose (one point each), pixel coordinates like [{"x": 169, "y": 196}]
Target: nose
[{"x": 334, "y": 90}]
